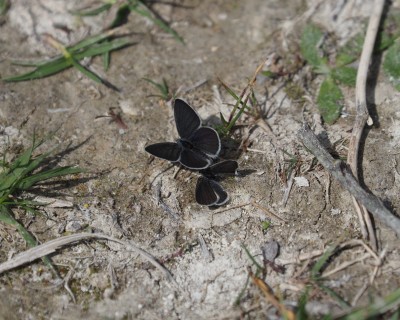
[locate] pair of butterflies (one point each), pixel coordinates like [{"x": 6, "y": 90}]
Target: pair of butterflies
[{"x": 196, "y": 149}]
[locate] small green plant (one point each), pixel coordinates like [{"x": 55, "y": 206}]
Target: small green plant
[
  {"x": 238, "y": 109},
  {"x": 71, "y": 57},
  {"x": 330, "y": 97},
  {"x": 137, "y": 6},
  {"x": 162, "y": 88},
  {"x": 241, "y": 106},
  {"x": 337, "y": 70},
  {"x": 293, "y": 163},
  {"x": 20, "y": 175},
  {"x": 265, "y": 225}
]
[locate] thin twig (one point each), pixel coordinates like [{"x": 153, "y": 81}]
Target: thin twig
[
  {"x": 288, "y": 188},
  {"x": 300, "y": 257},
  {"x": 204, "y": 250},
  {"x": 345, "y": 265},
  {"x": 359, "y": 242},
  {"x": 55, "y": 244},
  {"x": 359, "y": 294},
  {"x": 343, "y": 175},
  {"x": 66, "y": 283},
  {"x": 240, "y": 205},
  {"x": 163, "y": 205},
  {"x": 268, "y": 212},
  {"x": 362, "y": 116}
]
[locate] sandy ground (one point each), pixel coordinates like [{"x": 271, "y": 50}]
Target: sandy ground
[{"x": 225, "y": 40}]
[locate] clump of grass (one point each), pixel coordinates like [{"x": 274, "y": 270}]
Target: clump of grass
[
  {"x": 386, "y": 306},
  {"x": 20, "y": 175},
  {"x": 71, "y": 57},
  {"x": 241, "y": 106},
  {"x": 139, "y": 7}
]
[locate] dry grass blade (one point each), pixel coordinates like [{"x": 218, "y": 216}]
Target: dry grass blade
[
  {"x": 54, "y": 245},
  {"x": 271, "y": 298},
  {"x": 362, "y": 116}
]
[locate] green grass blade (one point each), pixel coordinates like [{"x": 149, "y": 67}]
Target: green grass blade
[
  {"x": 104, "y": 47},
  {"x": 140, "y": 8},
  {"x": 234, "y": 116},
  {"x": 106, "y": 60},
  {"x": 121, "y": 17},
  {"x": 18, "y": 169},
  {"x": 92, "y": 12},
  {"x": 243, "y": 291},
  {"x": 61, "y": 63},
  {"x": 86, "y": 72},
  {"x": 89, "y": 41},
  {"x": 237, "y": 116},
  {"x": 301, "y": 312},
  {"x": 42, "y": 71},
  {"x": 91, "y": 75},
  {"x": 31, "y": 63},
  {"x": 7, "y": 217},
  {"x": 315, "y": 271},
  {"x": 259, "y": 267},
  {"x": 375, "y": 309},
  {"x": 28, "y": 182},
  {"x": 343, "y": 303}
]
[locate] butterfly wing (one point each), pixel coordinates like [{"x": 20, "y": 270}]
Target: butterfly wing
[
  {"x": 224, "y": 167},
  {"x": 210, "y": 193},
  {"x": 205, "y": 194},
  {"x": 170, "y": 151},
  {"x": 186, "y": 119},
  {"x": 194, "y": 160},
  {"x": 207, "y": 140},
  {"x": 221, "y": 193}
]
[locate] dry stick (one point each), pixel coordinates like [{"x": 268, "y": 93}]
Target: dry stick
[
  {"x": 343, "y": 175},
  {"x": 362, "y": 116},
  {"x": 300, "y": 257},
  {"x": 345, "y": 265},
  {"x": 268, "y": 212},
  {"x": 55, "y": 244}
]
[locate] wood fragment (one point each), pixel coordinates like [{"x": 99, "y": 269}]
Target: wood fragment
[
  {"x": 268, "y": 212},
  {"x": 343, "y": 175},
  {"x": 52, "y": 246}
]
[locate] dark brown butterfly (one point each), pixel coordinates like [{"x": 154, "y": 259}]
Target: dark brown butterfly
[{"x": 197, "y": 146}]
